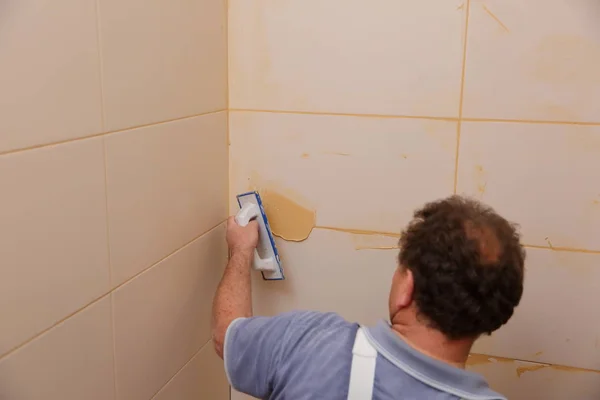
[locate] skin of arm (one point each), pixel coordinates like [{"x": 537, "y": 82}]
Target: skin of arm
[{"x": 233, "y": 298}]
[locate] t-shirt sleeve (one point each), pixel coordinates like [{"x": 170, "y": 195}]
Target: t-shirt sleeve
[{"x": 252, "y": 350}]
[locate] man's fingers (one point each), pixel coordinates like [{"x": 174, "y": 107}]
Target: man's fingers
[{"x": 231, "y": 222}]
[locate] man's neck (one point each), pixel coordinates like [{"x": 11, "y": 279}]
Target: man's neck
[{"x": 435, "y": 344}]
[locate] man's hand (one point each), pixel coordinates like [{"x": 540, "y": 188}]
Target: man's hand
[{"x": 242, "y": 239}]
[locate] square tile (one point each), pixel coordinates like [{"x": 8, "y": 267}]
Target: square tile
[
  {"x": 538, "y": 175},
  {"x": 379, "y": 57},
  {"x": 558, "y": 321},
  {"x": 162, "y": 317},
  {"x": 167, "y": 184},
  {"x": 203, "y": 378},
  {"x": 49, "y": 74},
  {"x": 533, "y": 59},
  {"x": 162, "y": 60},
  {"x": 53, "y": 244},
  {"x": 72, "y": 361},
  {"x": 355, "y": 172}
]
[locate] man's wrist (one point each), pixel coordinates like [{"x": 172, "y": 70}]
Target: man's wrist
[{"x": 243, "y": 255}]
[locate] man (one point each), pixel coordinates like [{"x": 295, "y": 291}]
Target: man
[{"x": 460, "y": 275}]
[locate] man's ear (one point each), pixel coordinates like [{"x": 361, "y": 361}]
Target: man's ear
[{"x": 407, "y": 286}]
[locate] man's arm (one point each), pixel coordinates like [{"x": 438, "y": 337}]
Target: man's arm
[{"x": 233, "y": 298}]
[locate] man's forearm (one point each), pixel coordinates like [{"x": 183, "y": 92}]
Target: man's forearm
[{"x": 233, "y": 298}]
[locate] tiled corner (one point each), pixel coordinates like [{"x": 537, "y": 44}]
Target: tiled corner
[
  {"x": 356, "y": 172},
  {"x": 50, "y": 91},
  {"x": 162, "y": 60},
  {"x": 519, "y": 380},
  {"x": 167, "y": 184},
  {"x": 53, "y": 244},
  {"x": 202, "y": 378},
  {"x": 541, "y": 176},
  {"x": 533, "y": 59},
  {"x": 162, "y": 317},
  {"x": 72, "y": 361},
  {"x": 347, "y": 56},
  {"x": 557, "y": 321}
]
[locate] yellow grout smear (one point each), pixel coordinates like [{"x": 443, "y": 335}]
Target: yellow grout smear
[
  {"x": 528, "y": 368},
  {"x": 359, "y": 231},
  {"x": 289, "y": 220},
  {"x": 495, "y": 18},
  {"x": 374, "y": 242},
  {"x": 482, "y": 359},
  {"x": 478, "y": 359}
]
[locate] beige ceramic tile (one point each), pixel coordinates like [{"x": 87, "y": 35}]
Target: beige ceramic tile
[
  {"x": 356, "y": 172},
  {"x": 533, "y": 59},
  {"x": 351, "y": 56},
  {"x": 167, "y": 184},
  {"x": 162, "y": 60},
  {"x": 558, "y": 320},
  {"x": 540, "y": 176},
  {"x": 519, "y": 380},
  {"x": 72, "y": 361},
  {"x": 49, "y": 77},
  {"x": 162, "y": 317},
  {"x": 53, "y": 246},
  {"x": 203, "y": 378}
]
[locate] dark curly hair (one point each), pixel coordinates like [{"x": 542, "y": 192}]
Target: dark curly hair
[{"x": 468, "y": 266}]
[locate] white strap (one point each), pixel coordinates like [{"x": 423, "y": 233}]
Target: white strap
[{"x": 362, "y": 373}]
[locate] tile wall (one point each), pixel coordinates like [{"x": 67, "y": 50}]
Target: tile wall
[
  {"x": 113, "y": 170},
  {"x": 362, "y": 111}
]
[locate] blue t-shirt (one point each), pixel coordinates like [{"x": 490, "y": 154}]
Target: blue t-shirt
[{"x": 307, "y": 356}]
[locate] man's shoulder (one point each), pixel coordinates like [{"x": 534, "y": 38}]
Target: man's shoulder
[
  {"x": 316, "y": 319},
  {"x": 295, "y": 325},
  {"x": 312, "y": 332}
]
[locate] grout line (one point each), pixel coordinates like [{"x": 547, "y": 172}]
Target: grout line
[
  {"x": 354, "y": 231},
  {"x": 110, "y": 278},
  {"x": 358, "y": 231},
  {"x": 227, "y": 83},
  {"x": 228, "y": 164},
  {"x": 461, "y": 96},
  {"x": 100, "y": 69},
  {"x": 425, "y": 117},
  {"x": 180, "y": 369},
  {"x": 565, "y": 249},
  {"x": 545, "y": 364},
  {"x": 131, "y": 128},
  {"x": 227, "y": 8},
  {"x": 62, "y": 320},
  {"x": 167, "y": 256},
  {"x": 531, "y": 121},
  {"x": 228, "y": 88},
  {"x": 114, "y": 343},
  {"x": 339, "y": 114}
]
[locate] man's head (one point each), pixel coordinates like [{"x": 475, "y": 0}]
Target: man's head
[{"x": 461, "y": 269}]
